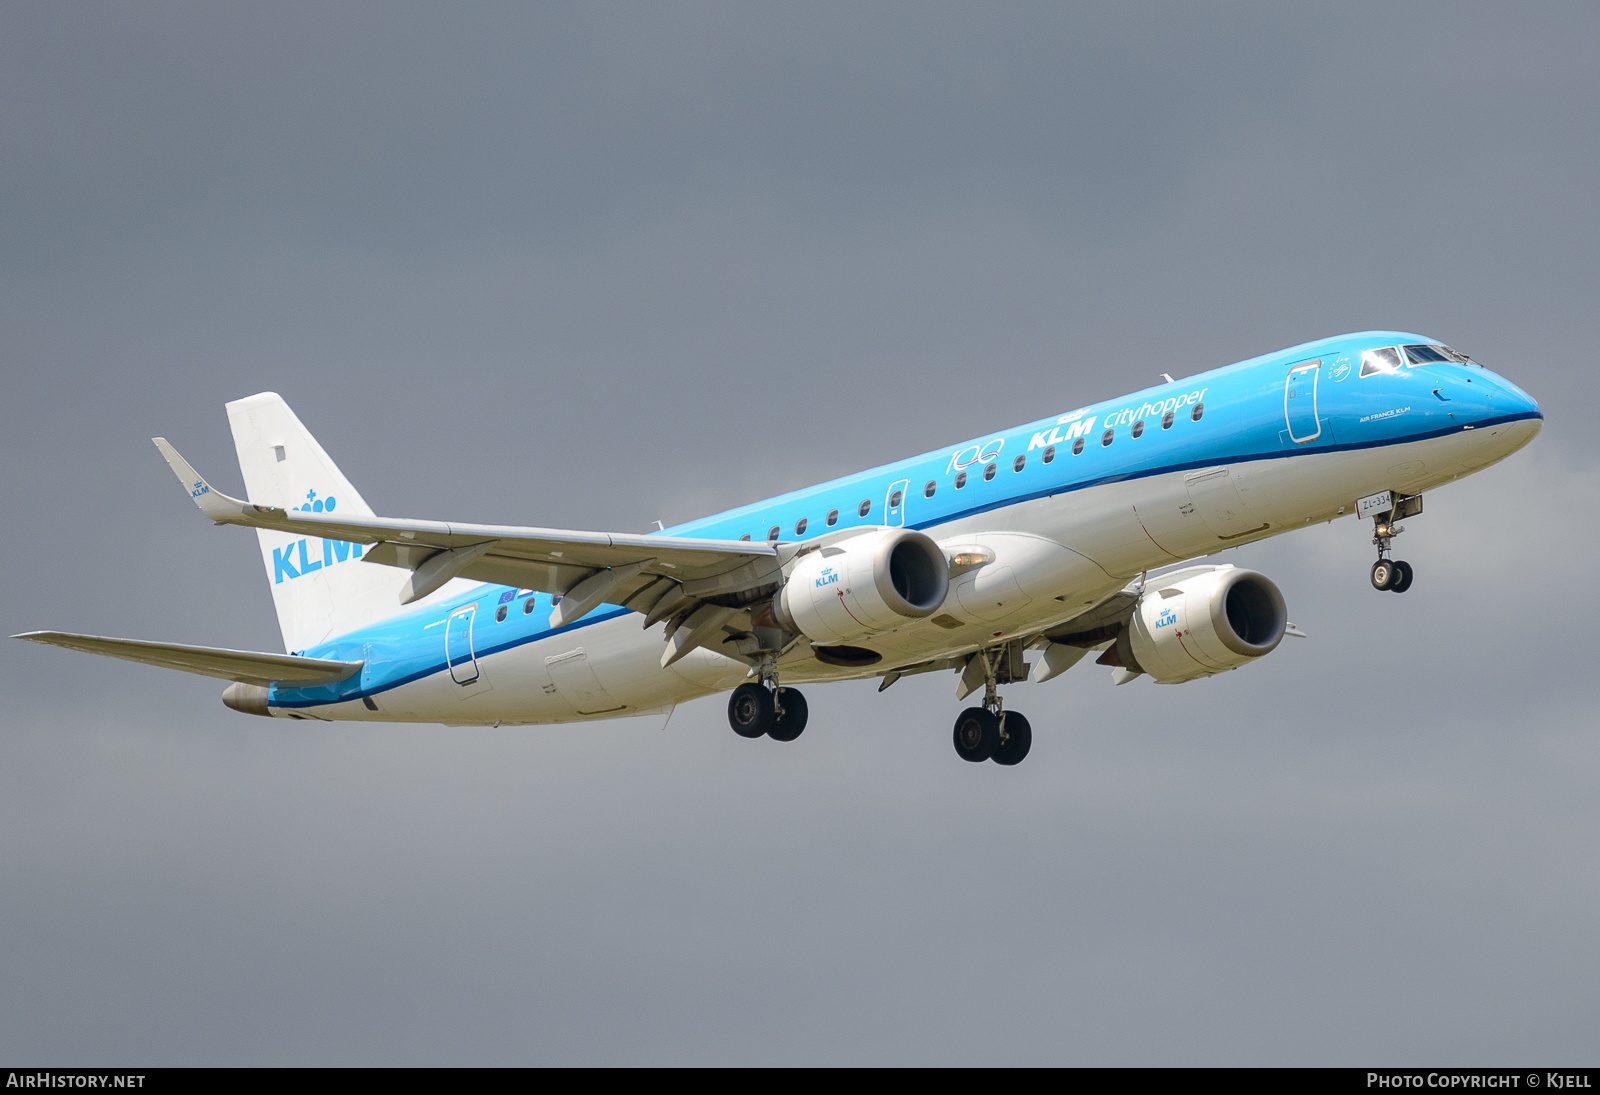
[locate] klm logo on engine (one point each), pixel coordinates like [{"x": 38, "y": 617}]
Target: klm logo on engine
[
  {"x": 828, "y": 577},
  {"x": 297, "y": 559},
  {"x": 1168, "y": 616}
]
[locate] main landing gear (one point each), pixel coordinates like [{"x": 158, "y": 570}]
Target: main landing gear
[
  {"x": 990, "y": 732},
  {"x": 1391, "y": 574},
  {"x": 762, "y": 707}
]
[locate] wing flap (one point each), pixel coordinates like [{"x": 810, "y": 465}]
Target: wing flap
[{"x": 247, "y": 666}]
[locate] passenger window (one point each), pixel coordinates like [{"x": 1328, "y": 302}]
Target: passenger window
[
  {"x": 894, "y": 500},
  {"x": 833, "y": 517},
  {"x": 927, "y": 491},
  {"x": 1166, "y": 421},
  {"x": 772, "y": 533},
  {"x": 500, "y": 615},
  {"x": 1138, "y": 428},
  {"x": 988, "y": 473},
  {"x": 1107, "y": 437},
  {"x": 1077, "y": 446},
  {"x": 1019, "y": 463},
  {"x": 800, "y": 527},
  {"x": 1199, "y": 409},
  {"x": 527, "y": 606},
  {"x": 1425, "y": 355},
  {"x": 1386, "y": 360},
  {"x": 865, "y": 507},
  {"x": 961, "y": 479},
  {"x": 1049, "y": 454}
]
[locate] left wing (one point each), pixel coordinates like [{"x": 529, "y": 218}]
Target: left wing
[{"x": 208, "y": 661}]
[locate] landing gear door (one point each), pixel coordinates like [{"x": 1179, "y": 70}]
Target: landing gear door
[
  {"x": 1300, "y": 403},
  {"x": 894, "y": 504},
  {"x": 458, "y": 654}
]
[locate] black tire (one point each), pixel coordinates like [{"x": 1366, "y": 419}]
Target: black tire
[
  {"x": 1403, "y": 577},
  {"x": 977, "y": 735},
  {"x": 788, "y": 726},
  {"x": 1384, "y": 574},
  {"x": 1016, "y": 738},
  {"x": 750, "y": 710}
]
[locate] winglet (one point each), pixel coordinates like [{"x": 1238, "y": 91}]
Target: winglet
[{"x": 214, "y": 504}]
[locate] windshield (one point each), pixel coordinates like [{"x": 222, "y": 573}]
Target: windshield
[{"x": 1426, "y": 355}]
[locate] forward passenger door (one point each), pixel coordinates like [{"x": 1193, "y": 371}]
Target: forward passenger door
[{"x": 1300, "y": 403}]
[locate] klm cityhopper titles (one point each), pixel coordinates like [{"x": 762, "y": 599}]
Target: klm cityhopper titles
[{"x": 1039, "y": 540}]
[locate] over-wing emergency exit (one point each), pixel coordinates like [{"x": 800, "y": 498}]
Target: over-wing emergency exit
[{"x": 1008, "y": 558}]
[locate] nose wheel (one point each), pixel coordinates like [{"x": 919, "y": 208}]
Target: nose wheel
[{"x": 1393, "y": 575}]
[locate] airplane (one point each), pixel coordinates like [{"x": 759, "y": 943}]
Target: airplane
[{"x": 1073, "y": 534}]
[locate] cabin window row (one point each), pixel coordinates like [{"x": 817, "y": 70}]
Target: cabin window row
[
  {"x": 989, "y": 472},
  {"x": 527, "y": 608},
  {"x": 832, "y": 519}
]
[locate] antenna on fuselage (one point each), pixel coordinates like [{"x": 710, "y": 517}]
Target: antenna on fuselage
[{"x": 1168, "y": 378}]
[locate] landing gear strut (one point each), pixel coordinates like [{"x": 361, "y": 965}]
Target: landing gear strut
[
  {"x": 763, "y": 707},
  {"x": 1391, "y": 574},
  {"x": 990, "y": 732}
]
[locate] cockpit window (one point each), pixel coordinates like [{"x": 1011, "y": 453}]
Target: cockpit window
[
  {"x": 1457, "y": 356},
  {"x": 1425, "y": 355},
  {"x": 1386, "y": 360}
]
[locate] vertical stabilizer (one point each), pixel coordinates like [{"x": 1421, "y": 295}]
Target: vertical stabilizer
[{"x": 320, "y": 587}]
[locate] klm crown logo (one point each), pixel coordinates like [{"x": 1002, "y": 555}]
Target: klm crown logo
[{"x": 313, "y": 504}]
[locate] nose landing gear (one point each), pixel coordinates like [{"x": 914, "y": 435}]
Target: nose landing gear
[{"x": 1392, "y": 574}]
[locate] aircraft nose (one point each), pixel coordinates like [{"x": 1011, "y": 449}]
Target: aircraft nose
[{"x": 1513, "y": 401}]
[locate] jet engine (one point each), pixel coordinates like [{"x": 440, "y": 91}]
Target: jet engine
[
  {"x": 864, "y": 585},
  {"x": 1204, "y": 624}
]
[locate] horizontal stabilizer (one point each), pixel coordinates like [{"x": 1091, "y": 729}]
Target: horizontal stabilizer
[{"x": 229, "y": 665}]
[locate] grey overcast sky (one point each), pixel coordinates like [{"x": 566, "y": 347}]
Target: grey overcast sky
[{"x": 591, "y": 265}]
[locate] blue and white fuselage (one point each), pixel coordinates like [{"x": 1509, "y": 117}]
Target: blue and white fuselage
[
  {"x": 1039, "y": 525},
  {"x": 1106, "y": 482}
]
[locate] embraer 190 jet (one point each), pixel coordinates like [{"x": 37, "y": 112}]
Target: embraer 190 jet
[{"x": 1048, "y": 540}]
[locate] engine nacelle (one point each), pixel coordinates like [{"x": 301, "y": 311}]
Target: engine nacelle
[
  {"x": 862, "y": 586},
  {"x": 1206, "y": 624}
]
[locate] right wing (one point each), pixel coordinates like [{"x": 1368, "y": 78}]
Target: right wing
[
  {"x": 587, "y": 568},
  {"x": 669, "y": 578},
  {"x": 228, "y": 665}
]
